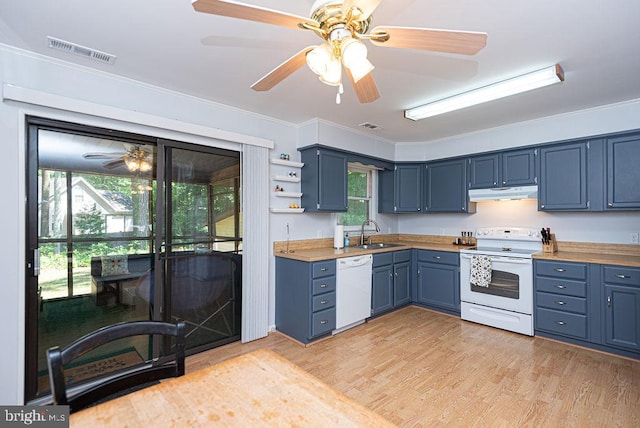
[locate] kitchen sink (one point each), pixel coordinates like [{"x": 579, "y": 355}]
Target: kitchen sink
[{"x": 376, "y": 246}]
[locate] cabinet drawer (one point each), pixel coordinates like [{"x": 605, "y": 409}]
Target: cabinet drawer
[
  {"x": 324, "y": 301},
  {"x": 562, "y": 269},
  {"x": 325, "y": 268},
  {"x": 323, "y": 322},
  {"x": 565, "y": 287},
  {"x": 324, "y": 285},
  {"x": 401, "y": 256},
  {"x": 621, "y": 275},
  {"x": 562, "y": 303},
  {"x": 444, "y": 257},
  {"x": 382, "y": 259},
  {"x": 561, "y": 323}
]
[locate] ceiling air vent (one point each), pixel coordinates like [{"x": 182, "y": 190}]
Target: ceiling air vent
[
  {"x": 370, "y": 126},
  {"x": 81, "y": 50}
]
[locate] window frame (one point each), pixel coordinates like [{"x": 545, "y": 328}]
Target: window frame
[{"x": 372, "y": 197}]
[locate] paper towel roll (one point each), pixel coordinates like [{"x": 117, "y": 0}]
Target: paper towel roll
[{"x": 338, "y": 236}]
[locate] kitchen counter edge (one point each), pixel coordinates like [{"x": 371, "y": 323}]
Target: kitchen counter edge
[
  {"x": 317, "y": 254},
  {"x": 597, "y": 258}
]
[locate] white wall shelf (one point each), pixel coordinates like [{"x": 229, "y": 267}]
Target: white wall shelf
[
  {"x": 288, "y": 194},
  {"x": 278, "y": 176},
  {"x": 292, "y": 164},
  {"x": 286, "y": 178},
  {"x": 287, "y": 210}
]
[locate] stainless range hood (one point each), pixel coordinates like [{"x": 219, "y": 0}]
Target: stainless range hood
[{"x": 503, "y": 193}]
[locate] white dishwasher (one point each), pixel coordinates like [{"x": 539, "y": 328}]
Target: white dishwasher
[{"x": 353, "y": 291}]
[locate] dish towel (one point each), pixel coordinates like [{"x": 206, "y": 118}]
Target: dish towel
[{"x": 480, "y": 271}]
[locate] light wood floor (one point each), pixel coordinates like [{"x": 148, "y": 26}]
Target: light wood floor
[{"x": 421, "y": 368}]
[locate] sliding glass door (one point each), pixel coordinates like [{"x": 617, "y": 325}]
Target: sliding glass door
[{"x": 123, "y": 227}]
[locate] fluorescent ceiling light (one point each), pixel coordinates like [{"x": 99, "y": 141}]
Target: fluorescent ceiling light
[{"x": 526, "y": 82}]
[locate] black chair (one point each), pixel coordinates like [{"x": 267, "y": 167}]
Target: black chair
[{"x": 131, "y": 379}]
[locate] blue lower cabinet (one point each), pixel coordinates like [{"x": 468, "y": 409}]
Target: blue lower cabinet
[
  {"x": 438, "y": 280},
  {"x": 621, "y": 295},
  {"x": 592, "y": 305},
  {"x": 391, "y": 282},
  {"x": 305, "y": 298}
]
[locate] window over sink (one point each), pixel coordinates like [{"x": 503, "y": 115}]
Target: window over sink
[{"x": 361, "y": 182}]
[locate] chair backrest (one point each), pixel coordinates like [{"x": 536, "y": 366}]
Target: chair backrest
[{"x": 150, "y": 372}]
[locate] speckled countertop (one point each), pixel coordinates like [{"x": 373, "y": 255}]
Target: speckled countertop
[{"x": 321, "y": 249}]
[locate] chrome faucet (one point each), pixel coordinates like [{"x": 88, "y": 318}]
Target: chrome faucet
[{"x": 364, "y": 223}]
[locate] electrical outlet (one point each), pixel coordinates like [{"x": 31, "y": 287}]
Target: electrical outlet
[
  {"x": 441, "y": 232},
  {"x": 634, "y": 238}
]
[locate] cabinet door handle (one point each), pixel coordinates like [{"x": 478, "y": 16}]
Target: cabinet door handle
[
  {"x": 560, "y": 322},
  {"x": 559, "y": 269},
  {"x": 610, "y": 205},
  {"x": 324, "y": 321},
  {"x": 559, "y": 302},
  {"x": 396, "y": 274},
  {"x": 561, "y": 287},
  {"x": 324, "y": 286},
  {"x": 621, "y": 276},
  {"x": 608, "y": 301}
]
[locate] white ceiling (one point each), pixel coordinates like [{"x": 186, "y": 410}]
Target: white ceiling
[{"x": 166, "y": 43}]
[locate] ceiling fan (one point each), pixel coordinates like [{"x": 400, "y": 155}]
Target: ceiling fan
[
  {"x": 135, "y": 158},
  {"x": 342, "y": 25}
]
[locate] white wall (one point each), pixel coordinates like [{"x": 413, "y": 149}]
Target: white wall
[{"x": 612, "y": 227}]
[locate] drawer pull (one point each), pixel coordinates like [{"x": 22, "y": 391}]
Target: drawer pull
[
  {"x": 324, "y": 269},
  {"x": 560, "y": 287},
  {"x": 324, "y": 321},
  {"x": 560, "y": 322},
  {"x": 559, "y": 269},
  {"x": 436, "y": 257},
  {"x": 323, "y": 302},
  {"x": 559, "y": 302},
  {"x": 621, "y": 276}
]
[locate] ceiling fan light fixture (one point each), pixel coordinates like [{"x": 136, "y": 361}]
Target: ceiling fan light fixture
[
  {"x": 354, "y": 57},
  {"x": 318, "y": 58},
  {"x": 523, "y": 83},
  {"x": 332, "y": 75}
]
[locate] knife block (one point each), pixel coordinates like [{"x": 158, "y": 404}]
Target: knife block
[{"x": 552, "y": 246}]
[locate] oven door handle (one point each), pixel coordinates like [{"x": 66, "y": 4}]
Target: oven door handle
[{"x": 511, "y": 260}]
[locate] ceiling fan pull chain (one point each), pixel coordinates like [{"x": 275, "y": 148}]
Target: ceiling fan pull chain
[{"x": 340, "y": 91}]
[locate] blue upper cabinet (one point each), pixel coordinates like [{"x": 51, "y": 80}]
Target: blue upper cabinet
[
  {"x": 324, "y": 180},
  {"x": 623, "y": 172},
  {"x": 519, "y": 167},
  {"x": 511, "y": 168},
  {"x": 563, "y": 178},
  {"x": 484, "y": 171},
  {"x": 400, "y": 190},
  {"x": 446, "y": 187}
]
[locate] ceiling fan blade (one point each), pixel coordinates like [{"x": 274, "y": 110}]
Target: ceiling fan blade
[
  {"x": 458, "y": 42},
  {"x": 113, "y": 164},
  {"x": 101, "y": 155},
  {"x": 282, "y": 71},
  {"x": 239, "y": 10},
  {"x": 366, "y": 7},
  {"x": 365, "y": 88}
]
